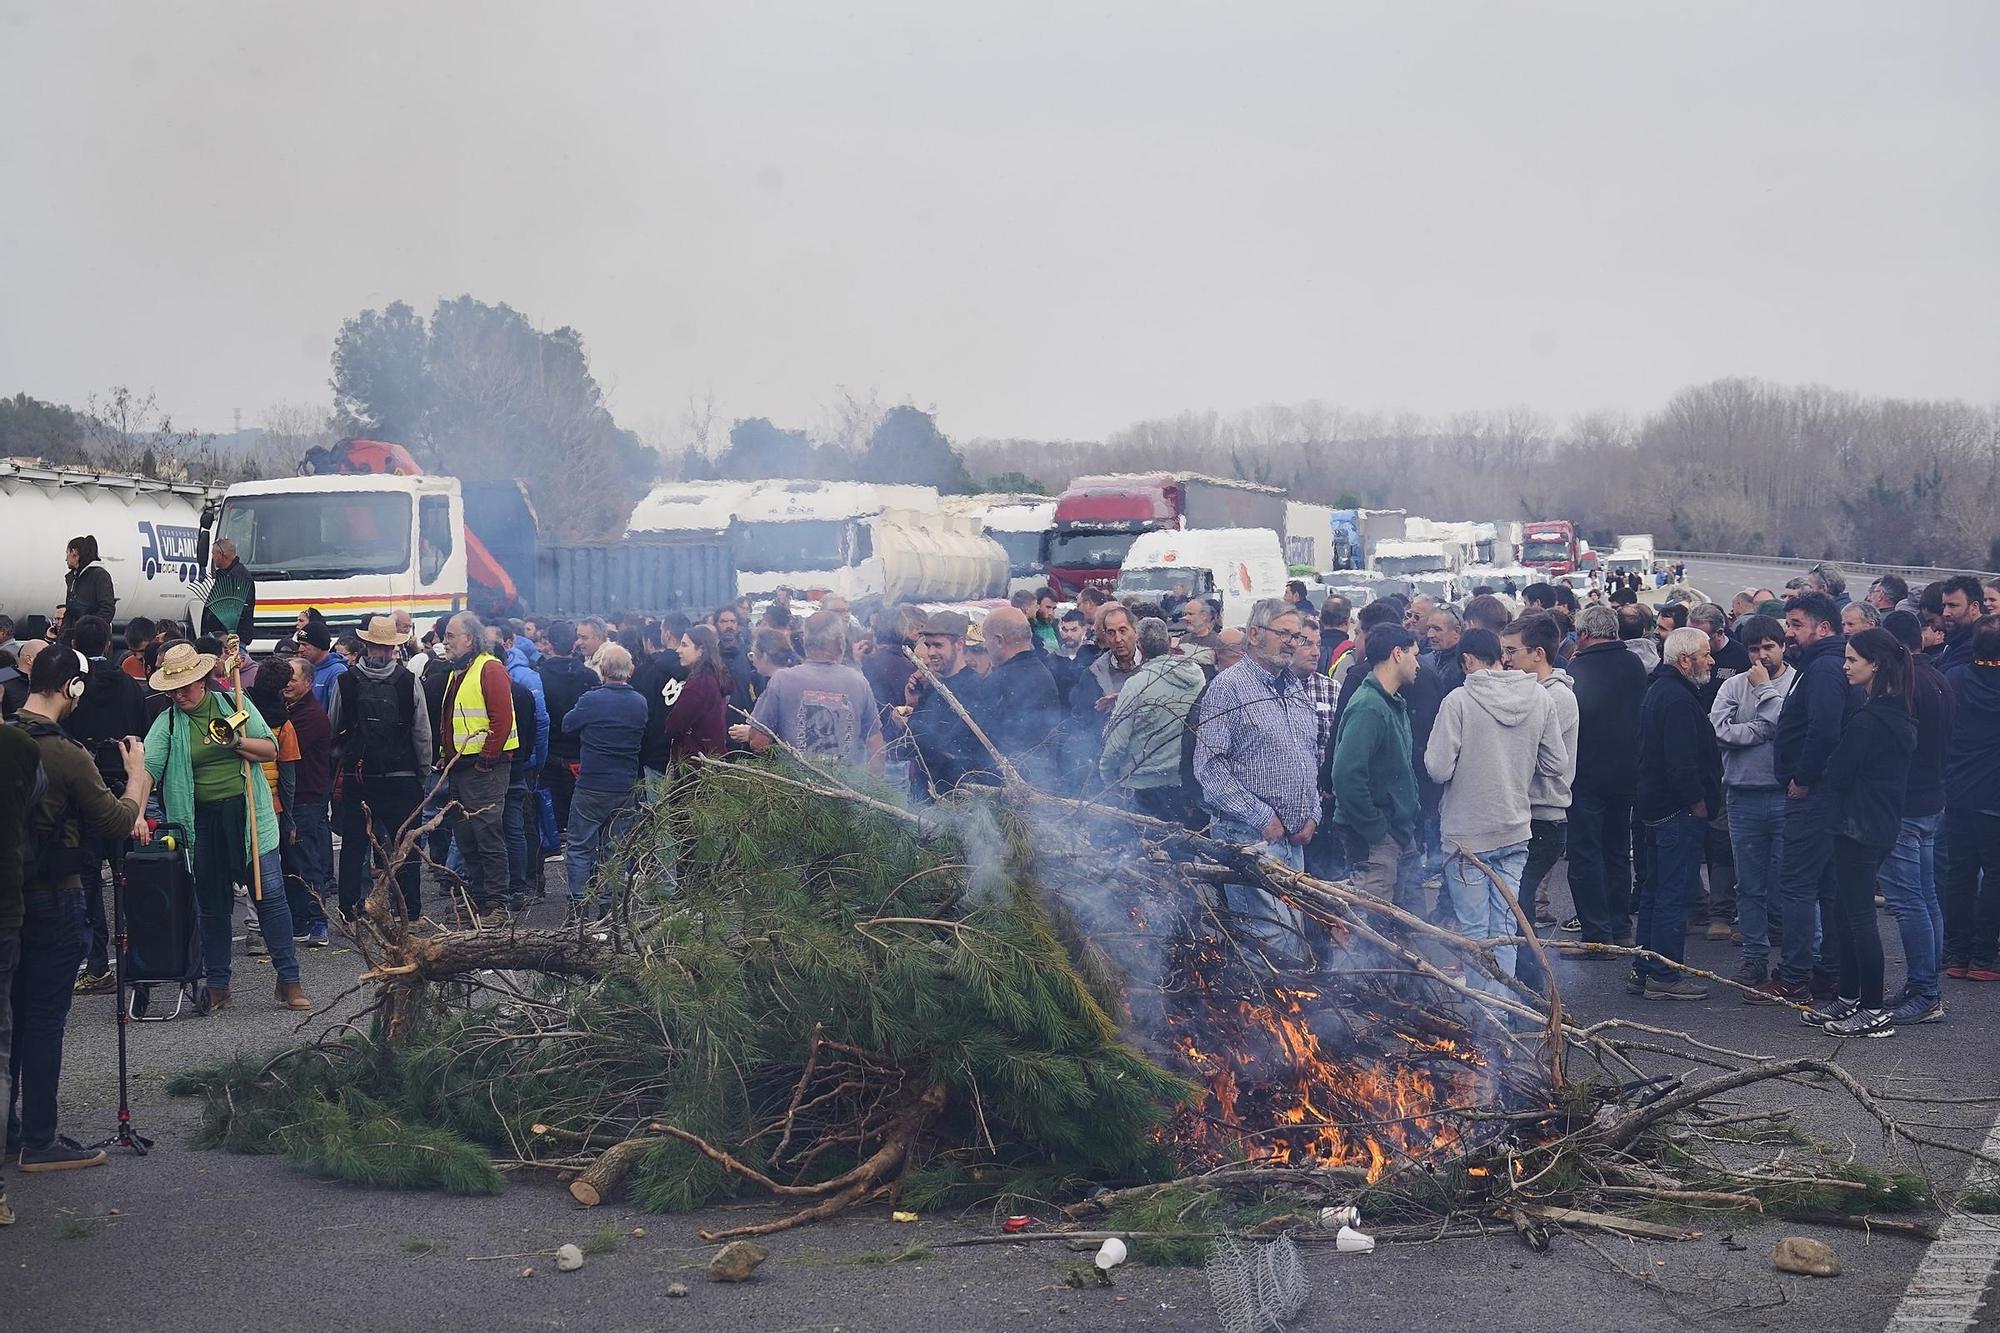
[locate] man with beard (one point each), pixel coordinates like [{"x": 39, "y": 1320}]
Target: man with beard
[
  {"x": 729, "y": 641},
  {"x": 1680, "y": 785},
  {"x": 943, "y": 748},
  {"x": 1096, "y": 689}
]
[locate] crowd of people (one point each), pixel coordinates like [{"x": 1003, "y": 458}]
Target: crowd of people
[{"x": 1766, "y": 772}]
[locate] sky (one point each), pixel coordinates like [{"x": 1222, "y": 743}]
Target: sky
[{"x": 1041, "y": 219}]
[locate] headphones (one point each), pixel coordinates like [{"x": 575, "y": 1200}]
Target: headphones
[{"x": 74, "y": 686}]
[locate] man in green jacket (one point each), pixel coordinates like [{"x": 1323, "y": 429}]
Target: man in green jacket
[
  {"x": 1374, "y": 782},
  {"x": 1142, "y": 740}
]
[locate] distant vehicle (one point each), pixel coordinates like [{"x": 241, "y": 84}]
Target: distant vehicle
[
  {"x": 1550, "y": 545},
  {"x": 148, "y": 536},
  {"x": 1406, "y": 558},
  {"x": 862, "y": 540},
  {"x": 1098, "y": 518},
  {"x": 1356, "y": 531},
  {"x": 1641, "y": 542},
  {"x": 689, "y": 510},
  {"x": 1308, "y": 535},
  {"x": 1022, "y": 524},
  {"x": 1239, "y": 565}
]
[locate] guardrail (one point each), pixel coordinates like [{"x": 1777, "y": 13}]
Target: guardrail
[{"x": 1913, "y": 574}]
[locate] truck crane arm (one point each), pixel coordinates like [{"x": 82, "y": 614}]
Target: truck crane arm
[{"x": 384, "y": 458}]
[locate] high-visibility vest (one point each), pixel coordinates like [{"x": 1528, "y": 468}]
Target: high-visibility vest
[{"x": 469, "y": 724}]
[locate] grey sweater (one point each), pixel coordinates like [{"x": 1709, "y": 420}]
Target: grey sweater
[
  {"x": 1494, "y": 736},
  {"x": 1745, "y": 718},
  {"x": 1548, "y": 793}
]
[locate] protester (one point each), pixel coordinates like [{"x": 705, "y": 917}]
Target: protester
[
  {"x": 1337, "y": 652},
  {"x": 213, "y": 790},
  {"x": 1679, "y": 784},
  {"x": 316, "y": 646},
  {"x": 1296, "y": 598},
  {"x": 141, "y": 634},
  {"x": 1745, "y": 718},
  {"x": 609, "y": 722},
  {"x": 312, "y": 790},
  {"x": 20, "y": 774},
  {"x": 1319, "y": 691},
  {"x": 697, "y": 721},
  {"x": 1140, "y": 763},
  {"x": 231, "y": 604},
  {"x": 87, "y": 585},
  {"x": 1201, "y": 639},
  {"x": 1887, "y": 593},
  {"x": 1990, "y": 601},
  {"x": 112, "y": 708},
  {"x": 941, "y": 747},
  {"x": 564, "y": 679},
  {"x": 1441, "y": 635},
  {"x": 1375, "y": 803},
  {"x": 1494, "y": 736},
  {"x": 1255, "y": 762},
  {"x": 821, "y": 708},
  {"x": 1529, "y": 645},
  {"x": 518, "y": 825},
  {"x": 1021, "y": 708},
  {"x": 1972, "y": 811},
  {"x": 1909, "y": 879},
  {"x": 1961, "y": 603},
  {"x": 1809, "y": 728},
  {"x": 728, "y": 623},
  {"x": 479, "y": 735},
  {"x": 1609, "y": 684},
  {"x": 384, "y": 747},
  {"x": 1096, "y": 688}
]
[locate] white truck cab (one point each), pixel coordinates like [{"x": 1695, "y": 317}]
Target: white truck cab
[{"x": 1239, "y": 565}]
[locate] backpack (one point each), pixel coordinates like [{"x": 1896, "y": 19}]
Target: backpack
[
  {"x": 384, "y": 721},
  {"x": 41, "y": 848}
]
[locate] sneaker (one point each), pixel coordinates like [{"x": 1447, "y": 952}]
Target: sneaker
[
  {"x": 1918, "y": 1009},
  {"x": 1820, "y": 1016},
  {"x": 1636, "y": 983},
  {"x": 92, "y": 983},
  {"x": 1864, "y": 1023},
  {"x": 1626, "y": 940},
  {"x": 316, "y": 938},
  {"x": 1822, "y": 985},
  {"x": 6, "y": 1212},
  {"x": 1748, "y": 973},
  {"x": 65, "y": 1154},
  {"x": 494, "y": 918},
  {"x": 1982, "y": 972},
  {"x": 1573, "y": 925},
  {"x": 1718, "y": 931},
  {"x": 1779, "y": 991},
  {"x": 1680, "y": 988}
]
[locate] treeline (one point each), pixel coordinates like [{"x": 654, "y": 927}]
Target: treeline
[{"x": 1735, "y": 465}]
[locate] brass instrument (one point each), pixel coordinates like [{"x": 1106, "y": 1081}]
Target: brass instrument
[{"x": 225, "y": 730}]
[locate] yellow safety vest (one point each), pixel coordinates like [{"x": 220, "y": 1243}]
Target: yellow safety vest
[{"x": 469, "y": 724}]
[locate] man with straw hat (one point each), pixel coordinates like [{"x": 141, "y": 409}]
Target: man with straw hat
[{"x": 209, "y": 768}]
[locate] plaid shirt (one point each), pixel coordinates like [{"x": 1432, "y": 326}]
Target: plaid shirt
[
  {"x": 1324, "y": 696},
  {"x": 1255, "y": 746}
]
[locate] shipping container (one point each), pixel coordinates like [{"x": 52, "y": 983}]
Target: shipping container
[{"x": 594, "y": 578}]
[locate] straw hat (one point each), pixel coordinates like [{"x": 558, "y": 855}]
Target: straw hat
[
  {"x": 181, "y": 666},
  {"x": 381, "y": 631}
]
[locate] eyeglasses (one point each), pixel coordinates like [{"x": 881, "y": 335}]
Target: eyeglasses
[{"x": 1292, "y": 637}]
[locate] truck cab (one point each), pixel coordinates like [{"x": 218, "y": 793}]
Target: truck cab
[
  {"x": 348, "y": 546},
  {"x": 1240, "y": 566}
]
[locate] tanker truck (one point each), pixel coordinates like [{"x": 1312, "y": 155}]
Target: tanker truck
[
  {"x": 860, "y": 540},
  {"x": 148, "y": 535}
]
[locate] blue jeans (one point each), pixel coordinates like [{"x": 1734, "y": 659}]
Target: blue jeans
[
  {"x": 598, "y": 822},
  {"x": 314, "y": 852},
  {"x": 1757, "y": 841},
  {"x": 1909, "y": 887},
  {"x": 1274, "y": 924},
  {"x": 51, "y": 944},
  {"x": 1676, "y": 847},
  {"x": 1482, "y": 913},
  {"x": 1805, "y": 883},
  {"x": 1600, "y": 863},
  {"x": 515, "y": 827}
]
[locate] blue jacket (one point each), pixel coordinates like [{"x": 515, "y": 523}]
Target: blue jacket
[
  {"x": 521, "y": 670},
  {"x": 1810, "y": 723},
  {"x": 1680, "y": 763},
  {"x": 610, "y": 721},
  {"x": 1972, "y": 763}
]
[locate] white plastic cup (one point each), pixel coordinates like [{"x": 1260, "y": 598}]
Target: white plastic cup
[
  {"x": 1350, "y": 1241},
  {"x": 1332, "y": 1218},
  {"x": 1112, "y": 1253}
]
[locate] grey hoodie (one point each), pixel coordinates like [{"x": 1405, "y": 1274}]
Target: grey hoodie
[
  {"x": 1745, "y": 718},
  {"x": 1647, "y": 649},
  {"x": 1493, "y": 737},
  {"x": 1548, "y": 793}
]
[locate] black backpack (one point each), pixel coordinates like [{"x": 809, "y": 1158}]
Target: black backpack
[
  {"x": 384, "y": 718},
  {"x": 41, "y": 848}
]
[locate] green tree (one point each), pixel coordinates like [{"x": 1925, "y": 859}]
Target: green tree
[
  {"x": 381, "y": 376},
  {"x": 908, "y": 447},
  {"x": 33, "y": 429},
  {"x": 757, "y": 449}
]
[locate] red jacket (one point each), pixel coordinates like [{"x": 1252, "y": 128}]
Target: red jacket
[{"x": 698, "y": 723}]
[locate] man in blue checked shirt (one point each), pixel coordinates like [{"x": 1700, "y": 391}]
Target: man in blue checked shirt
[{"x": 1256, "y": 761}]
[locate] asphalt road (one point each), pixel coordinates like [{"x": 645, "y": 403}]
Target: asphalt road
[{"x": 206, "y": 1240}]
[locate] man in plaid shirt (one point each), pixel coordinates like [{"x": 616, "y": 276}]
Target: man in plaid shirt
[{"x": 1320, "y": 690}]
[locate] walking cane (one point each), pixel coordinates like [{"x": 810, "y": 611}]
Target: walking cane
[{"x": 249, "y": 790}]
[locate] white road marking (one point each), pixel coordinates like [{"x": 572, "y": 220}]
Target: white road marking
[{"x": 1949, "y": 1286}]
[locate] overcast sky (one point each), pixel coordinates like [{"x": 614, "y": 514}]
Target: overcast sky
[{"x": 1043, "y": 219}]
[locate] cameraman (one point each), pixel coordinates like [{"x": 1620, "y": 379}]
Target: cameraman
[{"x": 77, "y": 806}]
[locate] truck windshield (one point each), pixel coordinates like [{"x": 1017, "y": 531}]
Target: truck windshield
[
  {"x": 1544, "y": 550},
  {"x": 1024, "y": 550},
  {"x": 787, "y": 546},
  {"x": 1183, "y": 580},
  {"x": 1089, "y": 550},
  {"x": 321, "y": 535}
]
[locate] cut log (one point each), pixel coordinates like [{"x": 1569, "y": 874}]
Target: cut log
[{"x": 601, "y": 1179}]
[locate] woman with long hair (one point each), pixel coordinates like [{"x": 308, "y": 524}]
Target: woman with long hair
[
  {"x": 1866, "y": 776},
  {"x": 697, "y": 722},
  {"x": 87, "y": 589}
]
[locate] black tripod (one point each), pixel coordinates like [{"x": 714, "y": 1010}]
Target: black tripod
[{"x": 125, "y": 1136}]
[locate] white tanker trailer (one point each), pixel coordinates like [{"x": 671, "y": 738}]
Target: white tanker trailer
[{"x": 147, "y": 535}]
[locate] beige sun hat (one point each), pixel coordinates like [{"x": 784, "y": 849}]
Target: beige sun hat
[
  {"x": 381, "y": 631},
  {"x": 181, "y": 666}
]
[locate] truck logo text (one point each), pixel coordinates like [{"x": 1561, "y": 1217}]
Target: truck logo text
[{"x": 164, "y": 548}]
